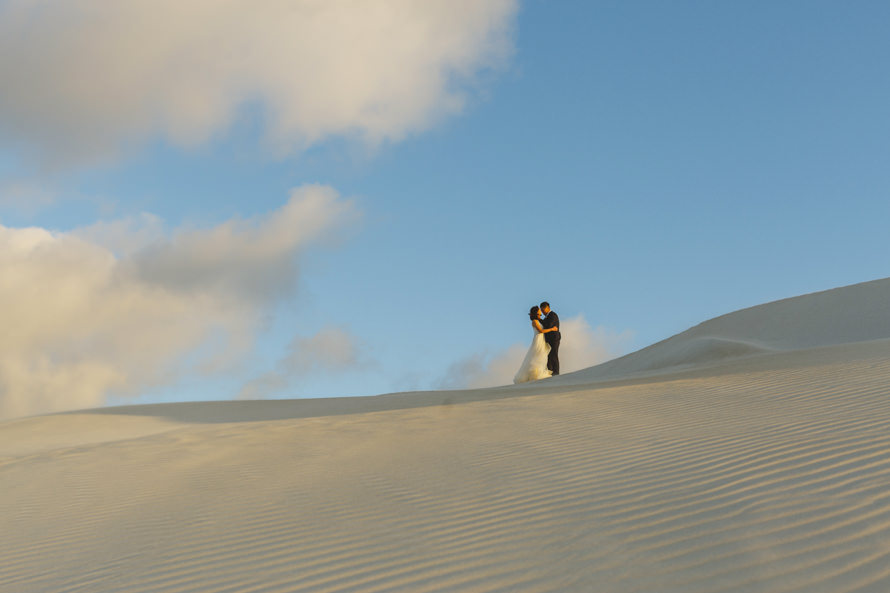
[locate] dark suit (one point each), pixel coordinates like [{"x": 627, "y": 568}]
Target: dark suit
[{"x": 552, "y": 338}]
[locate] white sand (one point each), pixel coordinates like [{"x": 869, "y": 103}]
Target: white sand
[{"x": 751, "y": 453}]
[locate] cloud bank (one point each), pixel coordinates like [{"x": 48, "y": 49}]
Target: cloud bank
[
  {"x": 84, "y": 79},
  {"x": 331, "y": 350},
  {"x": 117, "y": 307},
  {"x": 581, "y": 347}
]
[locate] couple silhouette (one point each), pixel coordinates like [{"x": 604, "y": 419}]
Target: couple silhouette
[{"x": 542, "y": 359}]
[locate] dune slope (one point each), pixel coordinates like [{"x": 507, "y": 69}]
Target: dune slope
[
  {"x": 763, "y": 470},
  {"x": 856, "y": 313}
]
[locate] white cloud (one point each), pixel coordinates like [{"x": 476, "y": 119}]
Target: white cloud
[
  {"x": 249, "y": 259},
  {"x": 84, "y": 79},
  {"x": 125, "y": 237},
  {"x": 88, "y": 313},
  {"x": 581, "y": 347},
  {"x": 333, "y": 350}
]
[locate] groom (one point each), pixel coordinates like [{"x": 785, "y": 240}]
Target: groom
[{"x": 551, "y": 319}]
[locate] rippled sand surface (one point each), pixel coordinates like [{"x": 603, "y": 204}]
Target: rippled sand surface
[{"x": 764, "y": 469}]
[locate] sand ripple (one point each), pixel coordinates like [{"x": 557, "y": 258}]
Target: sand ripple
[{"x": 770, "y": 473}]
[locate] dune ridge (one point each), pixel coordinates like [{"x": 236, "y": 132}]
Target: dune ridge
[
  {"x": 755, "y": 458},
  {"x": 857, "y": 313}
]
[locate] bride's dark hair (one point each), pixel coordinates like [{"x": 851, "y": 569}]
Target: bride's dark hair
[{"x": 534, "y": 313}]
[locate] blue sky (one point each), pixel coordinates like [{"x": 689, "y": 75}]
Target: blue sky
[{"x": 645, "y": 165}]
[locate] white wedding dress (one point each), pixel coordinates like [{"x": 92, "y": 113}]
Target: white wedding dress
[{"x": 534, "y": 366}]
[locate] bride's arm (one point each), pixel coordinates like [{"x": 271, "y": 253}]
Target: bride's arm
[{"x": 539, "y": 327}]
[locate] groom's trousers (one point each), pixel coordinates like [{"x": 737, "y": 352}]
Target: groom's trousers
[{"x": 553, "y": 357}]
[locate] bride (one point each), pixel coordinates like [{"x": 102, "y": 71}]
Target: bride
[{"x": 534, "y": 366}]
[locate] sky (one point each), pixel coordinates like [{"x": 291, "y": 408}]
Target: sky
[{"x": 280, "y": 199}]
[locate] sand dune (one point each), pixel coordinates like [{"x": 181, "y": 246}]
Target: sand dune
[
  {"x": 851, "y": 314},
  {"x": 751, "y": 453}
]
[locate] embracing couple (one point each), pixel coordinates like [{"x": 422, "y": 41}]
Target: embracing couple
[{"x": 542, "y": 359}]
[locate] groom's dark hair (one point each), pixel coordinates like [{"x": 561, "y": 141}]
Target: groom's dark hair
[{"x": 545, "y": 305}]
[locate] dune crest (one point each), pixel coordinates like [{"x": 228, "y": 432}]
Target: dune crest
[{"x": 850, "y": 314}]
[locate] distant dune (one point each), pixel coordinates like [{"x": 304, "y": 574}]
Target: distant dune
[
  {"x": 749, "y": 453},
  {"x": 857, "y": 313}
]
